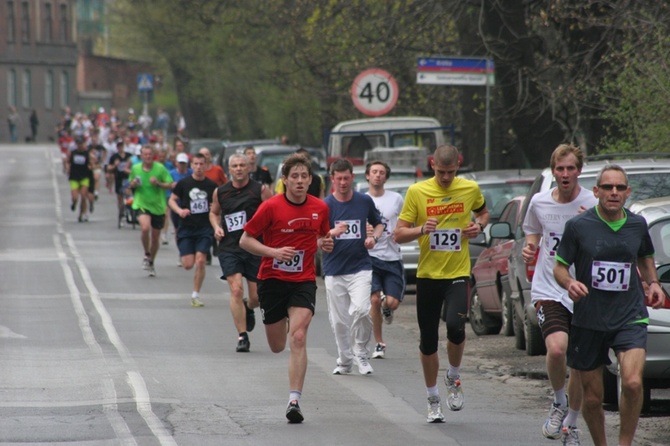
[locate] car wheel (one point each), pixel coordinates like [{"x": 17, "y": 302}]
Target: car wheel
[
  {"x": 534, "y": 341},
  {"x": 507, "y": 315},
  {"x": 481, "y": 322}
]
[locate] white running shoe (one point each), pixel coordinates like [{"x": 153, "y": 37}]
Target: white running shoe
[
  {"x": 342, "y": 369},
  {"x": 455, "y": 398},
  {"x": 364, "y": 367},
  {"x": 380, "y": 351},
  {"x": 434, "y": 410},
  {"x": 552, "y": 426},
  {"x": 570, "y": 436}
]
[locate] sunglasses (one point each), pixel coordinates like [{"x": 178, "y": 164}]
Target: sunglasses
[{"x": 618, "y": 187}]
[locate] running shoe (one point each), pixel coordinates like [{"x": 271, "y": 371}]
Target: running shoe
[
  {"x": 164, "y": 239},
  {"x": 379, "y": 352},
  {"x": 243, "y": 344},
  {"x": 84, "y": 217},
  {"x": 364, "y": 367},
  {"x": 73, "y": 206},
  {"x": 196, "y": 302},
  {"x": 552, "y": 426},
  {"x": 454, "y": 392},
  {"x": 342, "y": 369},
  {"x": 152, "y": 270},
  {"x": 146, "y": 262},
  {"x": 293, "y": 412},
  {"x": 570, "y": 436},
  {"x": 251, "y": 317},
  {"x": 435, "y": 410},
  {"x": 386, "y": 312}
]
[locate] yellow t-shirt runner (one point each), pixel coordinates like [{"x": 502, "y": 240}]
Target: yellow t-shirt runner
[{"x": 445, "y": 253}]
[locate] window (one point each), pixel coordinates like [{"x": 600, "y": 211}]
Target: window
[
  {"x": 25, "y": 22},
  {"x": 11, "y": 88},
  {"x": 64, "y": 89},
  {"x": 11, "y": 22},
  {"x": 48, "y": 23},
  {"x": 63, "y": 28},
  {"x": 49, "y": 90},
  {"x": 26, "y": 91}
]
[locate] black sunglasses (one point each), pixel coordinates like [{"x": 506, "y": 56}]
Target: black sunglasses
[{"x": 618, "y": 187}]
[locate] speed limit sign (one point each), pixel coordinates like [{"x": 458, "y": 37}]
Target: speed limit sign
[{"x": 374, "y": 92}]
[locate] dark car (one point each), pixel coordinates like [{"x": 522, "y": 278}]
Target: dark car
[
  {"x": 231, "y": 147},
  {"x": 648, "y": 178},
  {"x": 490, "y": 305},
  {"x": 215, "y": 146}
]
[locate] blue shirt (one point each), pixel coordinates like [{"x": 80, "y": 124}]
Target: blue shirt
[{"x": 349, "y": 254}]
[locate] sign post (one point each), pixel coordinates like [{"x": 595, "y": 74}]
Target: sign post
[
  {"x": 374, "y": 92},
  {"x": 145, "y": 84},
  {"x": 461, "y": 71}
]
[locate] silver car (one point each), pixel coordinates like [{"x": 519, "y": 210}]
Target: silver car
[{"x": 657, "y": 365}]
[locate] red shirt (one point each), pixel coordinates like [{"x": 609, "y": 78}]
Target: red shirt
[
  {"x": 282, "y": 223},
  {"x": 217, "y": 174}
]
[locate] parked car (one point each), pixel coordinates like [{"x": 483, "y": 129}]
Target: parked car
[
  {"x": 230, "y": 147},
  {"x": 648, "y": 178},
  {"x": 657, "y": 365},
  {"x": 491, "y": 308},
  {"x": 214, "y": 145}
]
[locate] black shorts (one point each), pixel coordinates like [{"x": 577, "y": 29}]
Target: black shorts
[
  {"x": 552, "y": 317},
  {"x": 588, "y": 349},
  {"x": 243, "y": 262},
  {"x": 157, "y": 221},
  {"x": 276, "y": 296},
  {"x": 192, "y": 239},
  {"x": 447, "y": 298}
]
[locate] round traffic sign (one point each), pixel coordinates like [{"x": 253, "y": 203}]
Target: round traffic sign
[{"x": 374, "y": 92}]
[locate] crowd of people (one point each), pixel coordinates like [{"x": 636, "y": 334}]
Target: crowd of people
[{"x": 269, "y": 237}]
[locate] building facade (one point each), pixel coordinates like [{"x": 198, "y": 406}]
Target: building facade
[{"x": 38, "y": 64}]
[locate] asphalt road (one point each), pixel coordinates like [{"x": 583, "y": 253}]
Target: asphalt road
[{"x": 94, "y": 352}]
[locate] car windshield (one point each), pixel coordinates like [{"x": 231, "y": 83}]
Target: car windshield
[
  {"x": 643, "y": 185},
  {"x": 497, "y": 195}
]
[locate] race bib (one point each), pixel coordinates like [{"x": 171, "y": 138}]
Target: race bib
[
  {"x": 610, "y": 276},
  {"x": 353, "y": 231},
  {"x": 199, "y": 206},
  {"x": 551, "y": 241},
  {"x": 445, "y": 240},
  {"x": 295, "y": 265},
  {"x": 236, "y": 221}
]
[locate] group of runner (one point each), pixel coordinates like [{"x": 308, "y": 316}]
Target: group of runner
[{"x": 271, "y": 241}]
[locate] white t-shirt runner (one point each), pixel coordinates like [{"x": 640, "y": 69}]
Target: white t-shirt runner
[
  {"x": 390, "y": 206},
  {"x": 547, "y": 217}
]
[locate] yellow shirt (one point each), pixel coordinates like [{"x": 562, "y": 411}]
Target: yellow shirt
[{"x": 445, "y": 254}]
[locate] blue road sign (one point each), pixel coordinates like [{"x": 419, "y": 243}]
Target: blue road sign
[
  {"x": 455, "y": 65},
  {"x": 145, "y": 82}
]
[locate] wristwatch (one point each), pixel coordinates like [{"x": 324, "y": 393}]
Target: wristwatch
[
  {"x": 481, "y": 226},
  {"x": 375, "y": 238}
]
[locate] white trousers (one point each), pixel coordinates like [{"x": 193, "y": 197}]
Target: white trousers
[{"x": 349, "y": 314}]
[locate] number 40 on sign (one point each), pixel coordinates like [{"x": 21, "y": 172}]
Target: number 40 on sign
[{"x": 374, "y": 92}]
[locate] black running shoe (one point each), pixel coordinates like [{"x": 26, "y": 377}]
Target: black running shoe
[
  {"x": 251, "y": 317},
  {"x": 243, "y": 344},
  {"x": 293, "y": 412}
]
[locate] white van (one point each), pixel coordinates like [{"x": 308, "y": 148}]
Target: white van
[{"x": 352, "y": 139}]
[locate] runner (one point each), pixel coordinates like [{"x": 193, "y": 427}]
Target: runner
[
  {"x": 79, "y": 172},
  {"x": 289, "y": 224},
  {"x": 191, "y": 199},
  {"x": 234, "y": 205}
]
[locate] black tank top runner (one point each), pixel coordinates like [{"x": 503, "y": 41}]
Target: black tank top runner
[{"x": 234, "y": 201}]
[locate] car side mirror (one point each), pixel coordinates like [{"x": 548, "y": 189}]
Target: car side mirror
[
  {"x": 663, "y": 273},
  {"x": 501, "y": 230}
]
